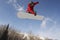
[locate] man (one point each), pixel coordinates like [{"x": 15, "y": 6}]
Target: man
[{"x": 30, "y": 8}]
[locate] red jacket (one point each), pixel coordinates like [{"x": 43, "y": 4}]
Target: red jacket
[{"x": 31, "y": 8}]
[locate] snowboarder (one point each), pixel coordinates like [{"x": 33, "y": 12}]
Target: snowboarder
[{"x": 30, "y": 8}]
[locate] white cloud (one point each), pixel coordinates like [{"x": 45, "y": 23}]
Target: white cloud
[
  {"x": 54, "y": 26},
  {"x": 44, "y": 22},
  {"x": 15, "y": 5},
  {"x": 12, "y": 1}
]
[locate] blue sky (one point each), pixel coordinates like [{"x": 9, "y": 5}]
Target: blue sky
[{"x": 47, "y": 8}]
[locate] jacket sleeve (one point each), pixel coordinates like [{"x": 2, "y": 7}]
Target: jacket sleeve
[{"x": 36, "y": 3}]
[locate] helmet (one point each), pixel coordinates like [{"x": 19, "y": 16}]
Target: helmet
[{"x": 31, "y": 2}]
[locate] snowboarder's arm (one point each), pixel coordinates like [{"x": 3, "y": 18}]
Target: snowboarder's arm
[{"x": 36, "y": 3}]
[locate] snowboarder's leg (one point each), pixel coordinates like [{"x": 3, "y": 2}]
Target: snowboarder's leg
[
  {"x": 28, "y": 11},
  {"x": 33, "y": 13}
]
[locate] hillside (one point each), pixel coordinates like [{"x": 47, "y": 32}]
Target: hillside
[{"x": 7, "y": 33}]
